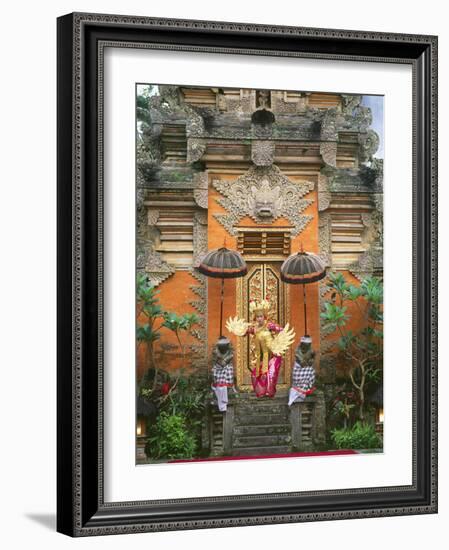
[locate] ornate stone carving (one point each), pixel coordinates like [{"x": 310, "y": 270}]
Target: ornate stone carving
[
  {"x": 237, "y": 101},
  {"x": 194, "y": 123},
  {"x": 141, "y": 212},
  {"x": 283, "y": 104},
  {"x": 324, "y": 196},
  {"x": 198, "y": 350},
  {"x": 350, "y": 102},
  {"x": 152, "y": 216},
  {"x": 264, "y": 194},
  {"x": 248, "y": 101},
  {"x": 199, "y": 290},
  {"x": 264, "y": 202},
  {"x": 201, "y": 197},
  {"x": 263, "y": 99},
  {"x": 328, "y": 151},
  {"x": 329, "y": 126},
  {"x": 329, "y": 137},
  {"x": 369, "y": 144},
  {"x": 147, "y": 258},
  {"x": 200, "y": 305},
  {"x": 157, "y": 269},
  {"x": 199, "y": 237},
  {"x": 201, "y": 189},
  {"x": 363, "y": 267},
  {"x": 324, "y": 238},
  {"x": 262, "y": 152},
  {"x": 261, "y": 131},
  {"x": 196, "y": 147},
  {"x": 233, "y": 104},
  {"x": 325, "y": 343},
  {"x": 370, "y": 262},
  {"x": 361, "y": 118},
  {"x": 377, "y": 218}
]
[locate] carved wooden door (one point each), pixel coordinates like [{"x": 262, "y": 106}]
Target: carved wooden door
[{"x": 262, "y": 281}]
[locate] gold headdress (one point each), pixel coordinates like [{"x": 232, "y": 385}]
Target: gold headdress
[{"x": 261, "y": 307}]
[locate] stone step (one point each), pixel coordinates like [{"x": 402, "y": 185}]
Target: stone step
[
  {"x": 261, "y": 419},
  {"x": 249, "y": 396},
  {"x": 263, "y": 429},
  {"x": 252, "y": 451},
  {"x": 261, "y": 440},
  {"x": 260, "y": 408}
]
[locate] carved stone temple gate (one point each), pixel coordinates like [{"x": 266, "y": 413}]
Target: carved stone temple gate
[{"x": 266, "y": 172}]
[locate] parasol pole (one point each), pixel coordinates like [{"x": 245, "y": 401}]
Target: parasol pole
[
  {"x": 221, "y": 307},
  {"x": 222, "y": 296},
  {"x": 304, "y": 297},
  {"x": 305, "y": 308}
]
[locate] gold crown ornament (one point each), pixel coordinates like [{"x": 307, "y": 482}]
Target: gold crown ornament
[{"x": 261, "y": 307}]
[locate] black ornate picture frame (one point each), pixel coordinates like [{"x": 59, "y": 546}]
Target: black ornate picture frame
[{"x": 81, "y": 508}]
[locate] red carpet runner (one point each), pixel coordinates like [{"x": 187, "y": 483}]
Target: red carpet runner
[{"x": 286, "y": 455}]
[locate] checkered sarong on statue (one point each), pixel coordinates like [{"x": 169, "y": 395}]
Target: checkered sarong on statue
[
  {"x": 303, "y": 377},
  {"x": 223, "y": 375}
]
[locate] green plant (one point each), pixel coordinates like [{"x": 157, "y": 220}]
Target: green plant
[
  {"x": 171, "y": 438},
  {"x": 189, "y": 398},
  {"x": 344, "y": 408},
  {"x": 363, "y": 349},
  {"x": 149, "y": 331},
  {"x": 142, "y": 108},
  {"x": 178, "y": 324},
  {"x": 156, "y": 318},
  {"x": 360, "y": 436},
  {"x": 184, "y": 397}
]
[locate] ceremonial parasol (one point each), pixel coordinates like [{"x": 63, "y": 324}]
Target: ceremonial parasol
[
  {"x": 223, "y": 263},
  {"x": 303, "y": 268}
]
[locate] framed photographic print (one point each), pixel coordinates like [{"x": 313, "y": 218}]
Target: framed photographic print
[{"x": 246, "y": 274}]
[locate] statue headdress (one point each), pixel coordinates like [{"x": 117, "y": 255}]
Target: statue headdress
[{"x": 259, "y": 307}]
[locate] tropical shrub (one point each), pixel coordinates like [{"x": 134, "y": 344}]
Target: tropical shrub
[
  {"x": 359, "y": 436},
  {"x": 363, "y": 349},
  {"x": 170, "y": 438},
  {"x": 343, "y": 404},
  {"x": 156, "y": 318}
]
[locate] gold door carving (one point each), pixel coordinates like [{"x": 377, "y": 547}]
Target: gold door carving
[{"x": 262, "y": 281}]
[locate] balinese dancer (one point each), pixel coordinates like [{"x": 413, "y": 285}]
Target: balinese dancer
[
  {"x": 271, "y": 342},
  {"x": 222, "y": 371},
  {"x": 303, "y": 372}
]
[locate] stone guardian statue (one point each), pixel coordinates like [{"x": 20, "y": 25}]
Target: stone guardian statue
[
  {"x": 303, "y": 372},
  {"x": 222, "y": 371}
]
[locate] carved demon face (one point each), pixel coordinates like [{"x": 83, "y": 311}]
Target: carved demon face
[{"x": 265, "y": 202}]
